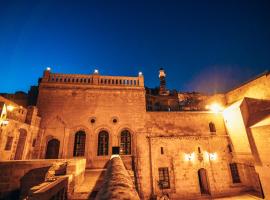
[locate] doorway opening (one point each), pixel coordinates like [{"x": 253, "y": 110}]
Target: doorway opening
[
  {"x": 52, "y": 149},
  {"x": 203, "y": 181}
]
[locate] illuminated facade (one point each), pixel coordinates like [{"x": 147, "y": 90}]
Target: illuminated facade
[{"x": 184, "y": 145}]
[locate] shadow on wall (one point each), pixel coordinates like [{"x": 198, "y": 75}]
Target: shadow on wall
[{"x": 32, "y": 178}]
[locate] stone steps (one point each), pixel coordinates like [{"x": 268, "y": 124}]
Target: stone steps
[{"x": 93, "y": 180}]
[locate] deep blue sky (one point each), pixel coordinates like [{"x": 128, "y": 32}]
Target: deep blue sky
[{"x": 203, "y": 45}]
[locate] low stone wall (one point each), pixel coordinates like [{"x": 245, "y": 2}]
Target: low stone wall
[
  {"x": 117, "y": 183},
  {"x": 18, "y": 176}
]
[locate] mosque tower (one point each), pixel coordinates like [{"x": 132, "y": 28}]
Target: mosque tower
[{"x": 162, "y": 85}]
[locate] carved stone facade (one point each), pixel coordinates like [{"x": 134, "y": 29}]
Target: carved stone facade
[{"x": 180, "y": 149}]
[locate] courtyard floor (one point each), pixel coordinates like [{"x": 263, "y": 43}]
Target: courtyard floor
[{"x": 241, "y": 197}]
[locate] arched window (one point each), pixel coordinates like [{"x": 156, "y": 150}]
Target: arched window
[
  {"x": 125, "y": 143},
  {"x": 212, "y": 127},
  {"x": 79, "y": 144},
  {"x": 103, "y": 143}
]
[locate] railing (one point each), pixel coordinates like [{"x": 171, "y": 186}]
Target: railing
[
  {"x": 94, "y": 80},
  {"x": 56, "y": 190},
  {"x": 117, "y": 182}
]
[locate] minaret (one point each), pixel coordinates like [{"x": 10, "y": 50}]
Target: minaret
[{"x": 162, "y": 86}]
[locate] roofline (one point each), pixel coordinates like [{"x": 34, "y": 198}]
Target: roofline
[{"x": 267, "y": 72}]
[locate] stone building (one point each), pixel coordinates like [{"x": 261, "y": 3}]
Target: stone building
[{"x": 182, "y": 145}]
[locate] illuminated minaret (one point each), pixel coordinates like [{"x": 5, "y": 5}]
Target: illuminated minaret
[{"x": 162, "y": 86}]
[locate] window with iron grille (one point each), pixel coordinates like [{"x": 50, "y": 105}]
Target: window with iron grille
[
  {"x": 103, "y": 143},
  {"x": 212, "y": 127},
  {"x": 9, "y": 143},
  {"x": 234, "y": 173},
  {"x": 79, "y": 144},
  {"x": 164, "y": 181},
  {"x": 125, "y": 143}
]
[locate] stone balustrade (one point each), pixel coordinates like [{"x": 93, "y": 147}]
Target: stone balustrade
[
  {"x": 93, "y": 79},
  {"x": 117, "y": 183}
]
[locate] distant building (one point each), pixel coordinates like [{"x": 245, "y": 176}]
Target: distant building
[{"x": 184, "y": 145}]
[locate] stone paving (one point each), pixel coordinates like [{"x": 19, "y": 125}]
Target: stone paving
[{"x": 241, "y": 197}]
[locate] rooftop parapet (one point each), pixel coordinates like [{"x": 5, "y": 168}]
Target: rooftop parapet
[{"x": 92, "y": 79}]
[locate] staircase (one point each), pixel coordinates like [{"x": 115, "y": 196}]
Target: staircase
[{"x": 93, "y": 179}]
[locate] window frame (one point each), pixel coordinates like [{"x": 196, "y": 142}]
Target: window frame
[
  {"x": 125, "y": 142},
  {"x": 234, "y": 173},
  {"x": 164, "y": 177},
  {"x": 9, "y": 143},
  {"x": 79, "y": 144},
  {"x": 103, "y": 143}
]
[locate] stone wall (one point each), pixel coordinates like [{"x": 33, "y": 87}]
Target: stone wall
[
  {"x": 68, "y": 108},
  {"x": 17, "y": 177},
  {"x": 256, "y": 88}
]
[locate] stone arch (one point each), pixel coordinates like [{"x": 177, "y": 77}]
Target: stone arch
[
  {"x": 72, "y": 137},
  {"x": 110, "y": 133},
  {"x": 52, "y": 149},
  {"x": 21, "y": 144}
]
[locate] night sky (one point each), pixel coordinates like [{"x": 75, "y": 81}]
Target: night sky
[{"x": 208, "y": 46}]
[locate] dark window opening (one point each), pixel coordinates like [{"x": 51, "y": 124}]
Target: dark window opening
[
  {"x": 164, "y": 181},
  {"x": 79, "y": 144},
  {"x": 161, "y": 150},
  {"x": 234, "y": 173},
  {"x": 212, "y": 127},
  {"x": 115, "y": 150},
  {"x": 9, "y": 143},
  {"x": 229, "y": 148},
  {"x": 103, "y": 143},
  {"x": 125, "y": 143}
]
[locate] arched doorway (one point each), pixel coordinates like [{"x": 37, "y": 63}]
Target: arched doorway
[
  {"x": 21, "y": 144},
  {"x": 203, "y": 181},
  {"x": 52, "y": 149},
  {"x": 79, "y": 144}
]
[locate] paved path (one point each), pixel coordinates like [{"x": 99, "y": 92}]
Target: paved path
[{"x": 241, "y": 197}]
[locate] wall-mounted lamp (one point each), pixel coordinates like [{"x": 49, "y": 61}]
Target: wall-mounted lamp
[
  {"x": 48, "y": 69},
  {"x": 140, "y": 74},
  {"x": 189, "y": 156},
  {"x": 211, "y": 156},
  {"x": 4, "y": 122}
]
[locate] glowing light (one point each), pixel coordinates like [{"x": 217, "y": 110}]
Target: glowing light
[
  {"x": 140, "y": 73},
  {"x": 211, "y": 156},
  {"x": 114, "y": 156},
  {"x": 10, "y": 108},
  {"x": 48, "y": 69},
  {"x": 4, "y": 123},
  {"x": 189, "y": 156},
  {"x": 96, "y": 71},
  {"x": 215, "y": 107}
]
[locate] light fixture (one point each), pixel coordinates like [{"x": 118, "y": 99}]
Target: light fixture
[
  {"x": 189, "y": 156},
  {"x": 215, "y": 107},
  {"x": 48, "y": 69},
  {"x": 96, "y": 71},
  {"x": 211, "y": 156},
  {"x": 10, "y": 108},
  {"x": 140, "y": 74},
  {"x": 4, "y": 122}
]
